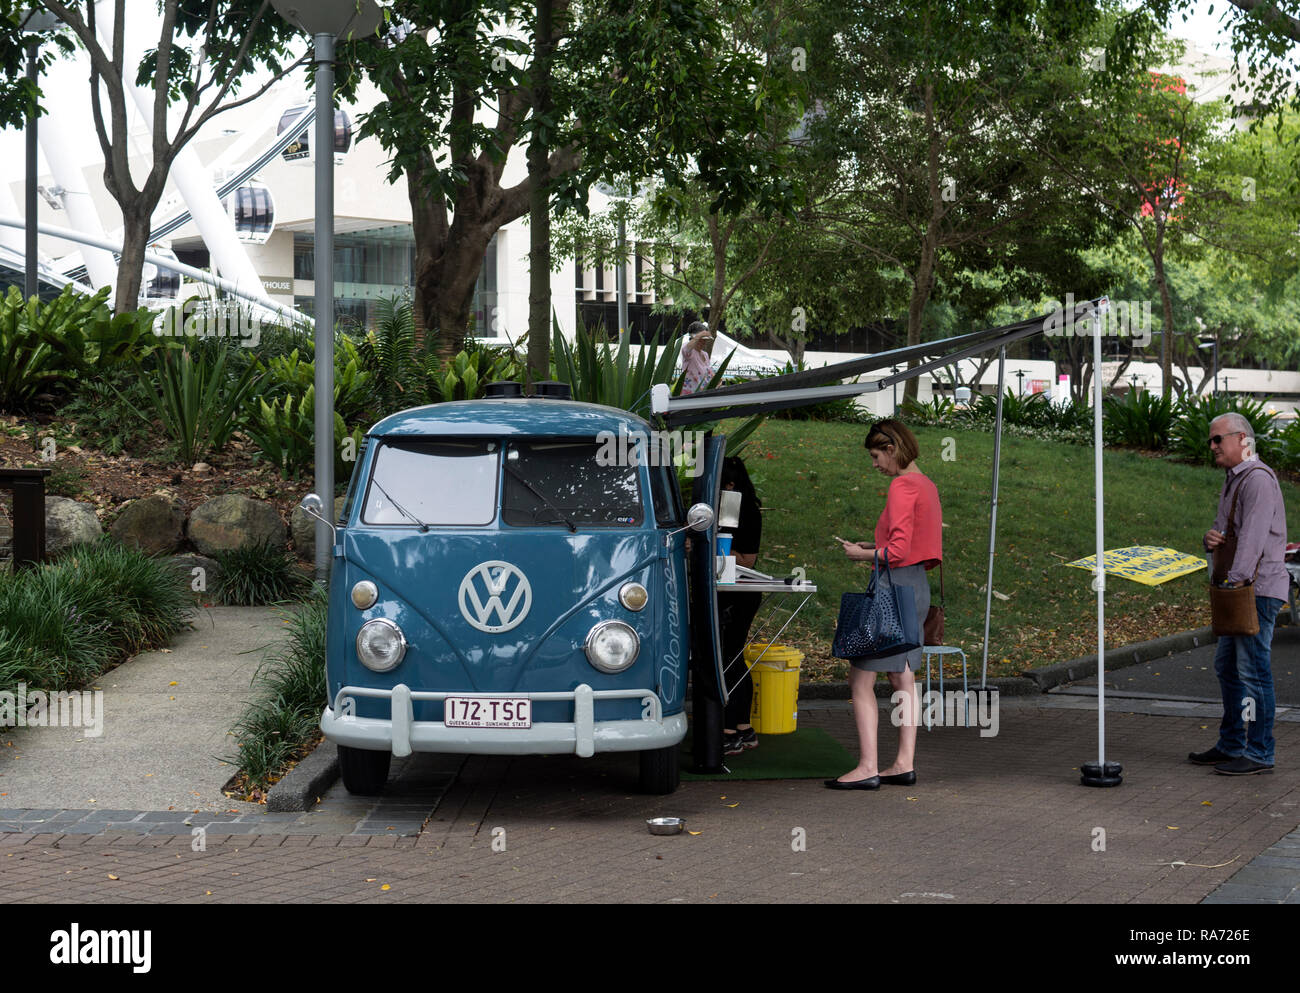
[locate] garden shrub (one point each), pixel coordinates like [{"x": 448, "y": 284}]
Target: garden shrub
[
  {"x": 256, "y": 574},
  {"x": 1142, "y": 419},
  {"x": 291, "y": 684},
  {"x": 62, "y": 623},
  {"x": 1190, "y": 435}
]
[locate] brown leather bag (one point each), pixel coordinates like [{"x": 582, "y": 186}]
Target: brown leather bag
[
  {"x": 1232, "y": 611},
  {"x": 934, "y": 617}
]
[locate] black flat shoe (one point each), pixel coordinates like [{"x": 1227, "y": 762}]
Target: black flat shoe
[
  {"x": 1243, "y": 767},
  {"x": 870, "y": 783},
  {"x": 900, "y": 779},
  {"x": 1212, "y": 757}
]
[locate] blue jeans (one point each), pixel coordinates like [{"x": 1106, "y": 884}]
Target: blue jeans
[{"x": 1245, "y": 676}]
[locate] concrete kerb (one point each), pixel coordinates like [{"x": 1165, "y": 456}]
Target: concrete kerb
[
  {"x": 307, "y": 780},
  {"x": 1059, "y": 673}
]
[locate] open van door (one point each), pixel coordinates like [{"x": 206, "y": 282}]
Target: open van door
[{"x": 709, "y": 691}]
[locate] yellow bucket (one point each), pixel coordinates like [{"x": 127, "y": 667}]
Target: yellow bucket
[{"x": 776, "y": 687}]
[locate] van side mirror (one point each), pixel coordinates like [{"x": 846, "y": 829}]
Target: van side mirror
[
  {"x": 699, "y": 517},
  {"x": 313, "y": 506}
]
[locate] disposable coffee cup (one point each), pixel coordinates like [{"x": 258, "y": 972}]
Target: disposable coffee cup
[{"x": 724, "y": 544}]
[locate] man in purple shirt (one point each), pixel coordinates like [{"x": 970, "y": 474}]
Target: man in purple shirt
[{"x": 1242, "y": 663}]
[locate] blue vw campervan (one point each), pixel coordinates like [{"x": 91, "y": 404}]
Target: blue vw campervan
[{"x": 499, "y": 588}]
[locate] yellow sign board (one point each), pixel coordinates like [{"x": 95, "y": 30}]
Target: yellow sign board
[{"x": 1145, "y": 564}]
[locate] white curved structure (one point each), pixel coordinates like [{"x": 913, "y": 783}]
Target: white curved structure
[{"x": 259, "y": 299}]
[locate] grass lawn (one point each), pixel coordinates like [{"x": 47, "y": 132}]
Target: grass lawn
[{"x": 815, "y": 479}]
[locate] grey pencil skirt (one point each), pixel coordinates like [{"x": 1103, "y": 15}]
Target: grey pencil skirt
[{"x": 913, "y": 576}]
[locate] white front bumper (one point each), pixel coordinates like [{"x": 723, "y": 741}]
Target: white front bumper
[{"x": 584, "y": 736}]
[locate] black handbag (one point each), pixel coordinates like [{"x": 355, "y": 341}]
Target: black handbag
[{"x": 880, "y": 622}]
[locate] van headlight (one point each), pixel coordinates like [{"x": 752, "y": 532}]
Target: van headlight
[
  {"x": 612, "y": 646},
  {"x": 381, "y": 646}
]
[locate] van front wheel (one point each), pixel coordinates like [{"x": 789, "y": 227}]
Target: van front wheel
[
  {"x": 660, "y": 773},
  {"x": 364, "y": 772}
]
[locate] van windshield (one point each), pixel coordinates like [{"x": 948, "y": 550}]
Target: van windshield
[
  {"x": 433, "y": 482},
  {"x": 564, "y": 483}
]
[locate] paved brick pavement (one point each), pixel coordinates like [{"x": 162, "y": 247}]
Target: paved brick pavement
[
  {"x": 999, "y": 819},
  {"x": 1271, "y": 877},
  {"x": 415, "y": 788}
]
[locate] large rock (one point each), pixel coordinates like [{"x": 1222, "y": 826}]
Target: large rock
[
  {"x": 230, "y": 521},
  {"x": 200, "y": 583},
  {"x": 154, "y": 524},
  {"x": 69, "y": 523},
  {"x": 303, "y": 529}
]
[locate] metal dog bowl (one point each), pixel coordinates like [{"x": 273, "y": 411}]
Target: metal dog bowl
[{"x": 666, "y": 825}]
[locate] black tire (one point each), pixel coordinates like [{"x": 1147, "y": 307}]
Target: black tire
[
  {"x": 660, "y": 773},
  {"x": 364, "y": 772}
]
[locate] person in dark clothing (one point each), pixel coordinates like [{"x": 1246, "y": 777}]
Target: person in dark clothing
[{"x": 736, "y": 611}]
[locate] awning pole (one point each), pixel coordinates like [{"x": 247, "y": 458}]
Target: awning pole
[
  {"x": 1101, "y": 772},
  {"x": 993, "y": 513}
]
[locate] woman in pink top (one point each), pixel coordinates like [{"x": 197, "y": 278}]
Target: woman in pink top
[
  {"x": 695, "y": 358},
  {"x": 910, "y": 533}
]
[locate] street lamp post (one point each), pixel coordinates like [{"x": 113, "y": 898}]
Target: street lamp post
[
  {"x": 326, "y": 21},
  {"x": 35, "y": 23}
]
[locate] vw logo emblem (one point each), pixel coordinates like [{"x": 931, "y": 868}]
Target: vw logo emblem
[{"x": 482, "y": 592}]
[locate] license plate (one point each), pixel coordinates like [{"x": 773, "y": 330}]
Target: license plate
[{"x": 487, "y": 712}]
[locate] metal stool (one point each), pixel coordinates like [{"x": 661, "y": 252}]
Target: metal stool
[{"x": 942, "y": 650}]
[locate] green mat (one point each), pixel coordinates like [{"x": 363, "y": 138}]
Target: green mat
[{"x": 808, "y": 753}]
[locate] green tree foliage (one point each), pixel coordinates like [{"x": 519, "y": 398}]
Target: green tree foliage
[
  {"x": 634, "y": 88},
  {"x": 235, "y": 37},
  {"x": 1264, "y": 37},
  {"x": 17, "y": 95}
]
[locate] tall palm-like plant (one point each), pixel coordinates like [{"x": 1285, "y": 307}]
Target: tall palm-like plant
[
  {"x": 597, "y": 373},
  {"x": 197, "y": 401},
  {"x": 389, "y": 352}
]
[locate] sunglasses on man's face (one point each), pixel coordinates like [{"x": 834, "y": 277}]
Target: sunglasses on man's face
[{"x": 1217, "y": 439}]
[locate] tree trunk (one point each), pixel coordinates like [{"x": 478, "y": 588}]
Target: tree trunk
[
  {"x": 448, "y": 260},
  {"x": 922, "y": 284},
  {"x": 923, "y": 280},
  {"x": 135, "y": 238},
  {"x": 1167, "y": 307},
  {"x": 718, "y": 241},
  {"x": 445, "y": 274},
  {"x": 539, "y": 213}
]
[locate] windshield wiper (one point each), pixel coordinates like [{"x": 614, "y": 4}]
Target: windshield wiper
[
  {"x": 409, "y": 516},
  {"x": 573, "y": 528}
]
